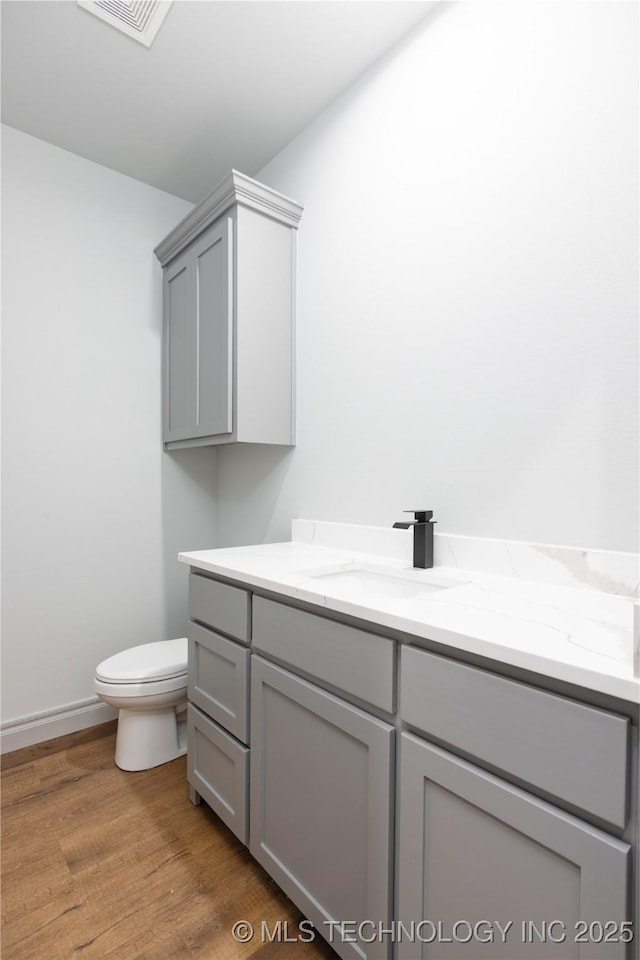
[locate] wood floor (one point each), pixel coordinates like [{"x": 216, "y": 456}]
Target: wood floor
[{"x": 100, "y": 864}]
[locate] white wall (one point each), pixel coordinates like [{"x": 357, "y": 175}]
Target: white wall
[
  {"x": 94, "y": 512},
  {"x": 467, "y": 288},
  {"x": 468, "y": 335}
]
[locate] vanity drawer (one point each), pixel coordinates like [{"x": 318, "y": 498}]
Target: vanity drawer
[
  {"x": 575, "y": 753},
  {"x": 218, "y": 678},
  {"x": 354, "y": 661},
  {"x": 218, "y": 769},
  {"x": 219, "y": 606}
]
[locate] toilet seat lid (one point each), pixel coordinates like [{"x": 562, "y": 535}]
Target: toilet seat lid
[{"x": 149, "y": 661}]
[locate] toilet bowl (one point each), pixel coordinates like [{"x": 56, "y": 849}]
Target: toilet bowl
[{"x": 148, "y": 686}]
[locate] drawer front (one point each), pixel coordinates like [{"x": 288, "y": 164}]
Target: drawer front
[
  {"x": 220, "y": 606},
  {"x": 575, "y": 753},
  {"x": 218, "y": 768},
  {"x": 356, "y": 662},
  {"x": 218, "y": 678}
]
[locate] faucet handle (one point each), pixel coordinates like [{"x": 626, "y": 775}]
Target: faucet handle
[{"x": 421, "y": 516}]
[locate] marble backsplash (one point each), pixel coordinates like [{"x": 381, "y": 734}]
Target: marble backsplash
[{"x": 609, "y": 571}]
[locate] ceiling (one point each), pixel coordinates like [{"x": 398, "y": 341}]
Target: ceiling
[{"x": 226, "y": 83}]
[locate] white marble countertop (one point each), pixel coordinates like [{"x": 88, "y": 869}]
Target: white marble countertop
[{"x": 573, "y": 633}]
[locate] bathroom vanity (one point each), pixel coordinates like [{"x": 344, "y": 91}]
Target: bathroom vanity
[{"x": 418, "y": 791}]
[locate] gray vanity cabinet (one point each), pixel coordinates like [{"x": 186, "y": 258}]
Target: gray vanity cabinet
[
  {"x": 229, "y": 318},
  {"x": 502, "y": 830},
  {"x": 321, "y": 807},
  {"x": 217, "y": 719},
  {"x": 475, "y": 850},
  {"x": 475, "y": 847}
]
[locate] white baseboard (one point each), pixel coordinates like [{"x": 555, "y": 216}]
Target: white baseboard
[{"x": 25, "y": 731}]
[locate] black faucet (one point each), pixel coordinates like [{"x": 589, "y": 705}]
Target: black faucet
[{"x": 422, "y": 536}]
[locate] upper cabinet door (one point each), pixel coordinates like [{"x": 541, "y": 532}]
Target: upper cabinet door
[
  {"x": 178, "y": 341},
  {"x": 213, "y": 321},
  {"x": 198, "y": 338}
]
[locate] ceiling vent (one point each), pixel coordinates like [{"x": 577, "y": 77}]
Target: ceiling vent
[{"x": 141, "y": 19}]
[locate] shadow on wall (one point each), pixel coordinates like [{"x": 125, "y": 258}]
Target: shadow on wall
[
  {"x": 188, "y": 485},
  {"x": 252, "y": 477}
]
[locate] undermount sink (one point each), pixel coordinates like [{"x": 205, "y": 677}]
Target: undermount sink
[{"x": 366, "y": 581}]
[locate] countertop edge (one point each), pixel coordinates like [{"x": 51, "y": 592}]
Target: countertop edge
[{"x": 624, "y": 688}]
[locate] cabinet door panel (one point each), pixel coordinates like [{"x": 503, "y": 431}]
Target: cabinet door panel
[
  {"x": 218, "y": 675},
  {"x": 212, "y": 257},
  {"x": 321, "y": 803},
  {"x": 217, "y": 768},
  {"x": 178, "y": 350},
  {"x": 473, "y": 848}
]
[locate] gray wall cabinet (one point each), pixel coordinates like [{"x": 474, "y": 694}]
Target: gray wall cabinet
[
  {"x": 505, "y": 829},
  {"x": 321, "y": 803},
  {"x": 229, "y": 294},
  {"x": 198, "y": 338}
]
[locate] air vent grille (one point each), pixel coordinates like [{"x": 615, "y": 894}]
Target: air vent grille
[{"x": 140, "y": 20}]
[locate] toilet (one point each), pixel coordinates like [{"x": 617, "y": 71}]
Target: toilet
[{"x": 148, "y": 685}]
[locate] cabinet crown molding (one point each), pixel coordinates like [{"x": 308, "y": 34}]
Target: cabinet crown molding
[{"x": 236, "y": 188}]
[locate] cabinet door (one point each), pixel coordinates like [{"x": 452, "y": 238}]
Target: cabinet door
[
  {"x": 218, "y": 679},
  {"x": 321, "y": 806},
  {"x": 212, "y": 257},
  {"x": 217, "y": 770},
  {"x": 476, "y": 852},
  {"x": 178, "y": 342}
]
